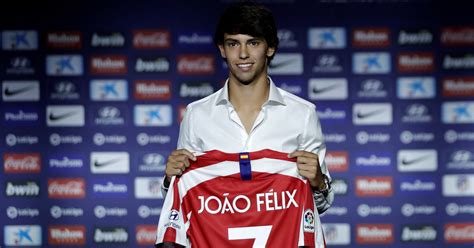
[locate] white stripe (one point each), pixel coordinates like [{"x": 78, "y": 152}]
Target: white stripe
[
  {"x": 301, "y": 234},
  {"x": 268, "y": 165}
]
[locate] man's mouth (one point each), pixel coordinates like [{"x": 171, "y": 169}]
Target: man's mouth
[{"x": 244, "y": 66}]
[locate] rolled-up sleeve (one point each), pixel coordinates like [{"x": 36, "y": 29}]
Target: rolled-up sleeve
[{"x": 312, "y": 140}]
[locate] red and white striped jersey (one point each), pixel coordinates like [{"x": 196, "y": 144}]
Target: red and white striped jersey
[{"x": 254, "y": 199}]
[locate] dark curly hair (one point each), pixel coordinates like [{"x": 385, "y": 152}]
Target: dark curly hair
[{"x": 250, "y": 19}]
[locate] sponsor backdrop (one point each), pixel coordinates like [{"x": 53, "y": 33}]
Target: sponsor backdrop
[{"x": 92, "y": 97}]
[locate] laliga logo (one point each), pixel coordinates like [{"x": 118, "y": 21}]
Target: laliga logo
[{"x": 308, "y": 221}]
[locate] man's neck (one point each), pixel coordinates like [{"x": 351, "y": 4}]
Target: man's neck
[{"x": 251, "y": 96}]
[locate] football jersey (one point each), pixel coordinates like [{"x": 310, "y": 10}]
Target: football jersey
[{"x": 255, "y": 199}]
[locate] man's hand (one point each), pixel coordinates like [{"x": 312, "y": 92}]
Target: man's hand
[
  {"x": 177, "y": 162},
  {"x": 308, "y": 167}
]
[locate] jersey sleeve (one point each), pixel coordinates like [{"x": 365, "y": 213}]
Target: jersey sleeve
[{"x": 171, "y": 226}]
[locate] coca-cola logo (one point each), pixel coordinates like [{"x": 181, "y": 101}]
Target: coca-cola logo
[
  {"x": 149, "y": 39},
  {"x": 459, "y": 232},
  {"x": 457, "y": 36},
  {"x": 196, "y": 64},
  {"x": 22, "y": 162},
  {"x": 64, "y": 188},
  {"x": 146, "y": 234}
]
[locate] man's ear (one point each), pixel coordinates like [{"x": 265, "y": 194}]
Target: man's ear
[
  {"x": 221, "y": 49},
  {"x": 270, "y": 51}
]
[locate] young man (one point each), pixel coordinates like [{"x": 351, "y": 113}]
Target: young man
[{"x": 250, "y": 113}]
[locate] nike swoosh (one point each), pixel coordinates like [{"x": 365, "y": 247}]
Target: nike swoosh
[
  {"x": 405, "y": 161},
  {"x": 282, "y": 63},
  {"x": 324, "y": 89},
  {"x": 9, "y": 92},
  {"x": 53, "y": 117},
  {"x": 111, "y": 161},
  {"x": 361, "y": 115}
]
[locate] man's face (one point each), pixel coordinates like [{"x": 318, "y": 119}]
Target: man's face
[{"x": 246, "y": 57}]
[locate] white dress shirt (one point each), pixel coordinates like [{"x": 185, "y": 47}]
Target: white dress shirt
[{"x": 286, "y": 123}]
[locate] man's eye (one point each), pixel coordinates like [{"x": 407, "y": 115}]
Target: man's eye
[
  {"x": 232, "y": 44},
  {"x": 254, "y": 43}
]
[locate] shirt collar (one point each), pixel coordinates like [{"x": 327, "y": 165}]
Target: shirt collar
[{"x": 274, "y": 98}]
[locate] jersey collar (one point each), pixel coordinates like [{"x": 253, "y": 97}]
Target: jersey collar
[{"x": 274, "y": 98}]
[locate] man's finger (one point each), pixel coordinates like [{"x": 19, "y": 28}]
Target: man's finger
[
  {"x": 184, "y": 152},
  {"x": 307, "y": 167},
  {"x": 302, "y": 154}
]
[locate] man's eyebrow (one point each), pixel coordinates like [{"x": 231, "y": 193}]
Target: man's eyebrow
[
  {"x": 249, "y": 40},
  {"x": 230, "y": 39}
]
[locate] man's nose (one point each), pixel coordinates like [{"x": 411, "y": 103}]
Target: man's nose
[{"x": 243, "y": 52}]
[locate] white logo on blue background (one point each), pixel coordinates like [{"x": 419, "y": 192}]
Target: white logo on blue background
[
  {"x": 458, "y": 112},
  {"x": 153, "y": 115},
  {"x": 416, "y": 87},
  {"x": 64, "y": 65},
  {"x": 371, "y": 63},
  {"x": 22, "y": 235},
  {"x": 20, "y": 40},
  {"x": 109, "y": 90},
  {"x": 327, "y": 38}
]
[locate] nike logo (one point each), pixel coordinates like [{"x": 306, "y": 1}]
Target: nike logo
[
  {"x": 324, "y": 89},
  {"x": 54, "y": 117},
  {"x": 361, "y": 115},
  {"x": 98, "y": 164},
  {"x": 10, "y": 92},
  {"x": 280, "y": 64},
  {"x": 405, "y": 161}
]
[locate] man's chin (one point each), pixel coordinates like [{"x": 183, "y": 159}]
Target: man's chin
[{"x": 245, "y": 81}]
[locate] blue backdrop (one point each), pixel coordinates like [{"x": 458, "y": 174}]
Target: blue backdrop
[{"x": 93, "y": 93}]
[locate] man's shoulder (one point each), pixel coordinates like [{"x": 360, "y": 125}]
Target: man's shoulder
[
  {"x": 296, "y": 101},
  {"x": 205, "y": 102}
]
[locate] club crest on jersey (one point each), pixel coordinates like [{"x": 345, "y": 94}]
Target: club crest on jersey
[{"x": 308, "y": 221}]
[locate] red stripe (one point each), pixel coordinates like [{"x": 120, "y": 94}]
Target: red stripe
[{"x": 214, "y": 156}]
